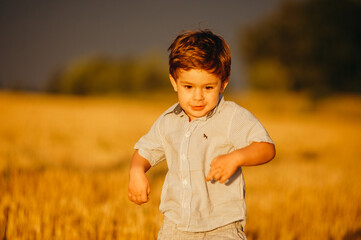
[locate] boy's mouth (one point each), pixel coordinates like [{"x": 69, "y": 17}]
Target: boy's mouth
[{"x": 198, "y": 108}]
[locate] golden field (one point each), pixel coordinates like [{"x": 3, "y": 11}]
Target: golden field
[{"x": 64, "y": 167}]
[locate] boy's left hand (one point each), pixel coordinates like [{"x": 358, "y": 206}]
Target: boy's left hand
[{"x": 222, "y": 168}]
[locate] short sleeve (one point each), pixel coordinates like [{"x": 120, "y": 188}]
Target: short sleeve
[
  {"x": 150, "y": 145},
  {"x": 245, "y": 129}
]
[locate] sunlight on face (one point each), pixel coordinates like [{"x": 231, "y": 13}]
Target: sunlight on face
[{"x": 198, "y": 91}]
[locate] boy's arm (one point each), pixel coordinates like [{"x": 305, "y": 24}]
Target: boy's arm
[
  {"x": 224, "y": 166},
  {"x": 139, "y": 187}
]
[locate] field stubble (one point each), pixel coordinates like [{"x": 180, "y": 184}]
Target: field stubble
[{"x": 64, "y": 167}]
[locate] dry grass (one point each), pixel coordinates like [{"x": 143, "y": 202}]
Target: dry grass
[{"x": 64, "y": 162}]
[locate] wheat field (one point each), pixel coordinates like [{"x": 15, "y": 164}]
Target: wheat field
[{"x": 64, "y": 167}]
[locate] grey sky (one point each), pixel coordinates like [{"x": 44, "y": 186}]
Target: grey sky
[{"x": 39, "y": 37}]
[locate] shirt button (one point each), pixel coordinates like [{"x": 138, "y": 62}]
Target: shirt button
[
  {"x": 188, "y": 134},
  {"x": 183, "y": 157},
  {"x": 185, "y": 182}
]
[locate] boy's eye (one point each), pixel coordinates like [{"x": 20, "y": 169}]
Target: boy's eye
[
  {"x": 188, "y": 86},
  {"x": 209, "y": 87}
]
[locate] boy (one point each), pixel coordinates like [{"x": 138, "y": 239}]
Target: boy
[{"x": 205, "y": 141}]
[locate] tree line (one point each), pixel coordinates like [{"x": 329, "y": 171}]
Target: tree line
[
  {"x": 304, "y": 45},
  {"x": 312, "y": 45},
  {"x": 106, "y": 75}
]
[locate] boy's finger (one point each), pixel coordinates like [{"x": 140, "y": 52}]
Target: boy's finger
[
  {"x": 217, "y": 176},
  {"x": 140, "y": 200},
  {"x": 144, "y": 197},
  {"x": 133, "y": 199},
  {"x": 148, "y": 190},
  {"x": 209, "y": 176},
  {"x": 223, "y": 179}
]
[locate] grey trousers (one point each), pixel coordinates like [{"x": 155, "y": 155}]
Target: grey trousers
[{"x": 232, "y": 231}]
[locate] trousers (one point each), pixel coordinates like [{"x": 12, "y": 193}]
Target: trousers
[{"x": 231, "y": 231}]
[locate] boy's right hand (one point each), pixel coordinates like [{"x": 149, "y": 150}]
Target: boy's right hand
[{"x": 139, "y": 187}]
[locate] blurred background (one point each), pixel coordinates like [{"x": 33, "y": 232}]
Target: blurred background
[
  {"x": 87, "y": 47},
  {"x": 54, "y": 41},
  {"x": 82, "y": 81}
]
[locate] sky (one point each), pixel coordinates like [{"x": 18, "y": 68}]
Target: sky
[{"x": 40, "y": 37}]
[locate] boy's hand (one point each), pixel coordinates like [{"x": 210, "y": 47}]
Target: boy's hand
[
  {"x": 222, "y": 168},
  {"x": 139, "y": 188}
]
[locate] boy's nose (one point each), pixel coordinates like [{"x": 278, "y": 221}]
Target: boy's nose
[{"x": 198, "y": 95}]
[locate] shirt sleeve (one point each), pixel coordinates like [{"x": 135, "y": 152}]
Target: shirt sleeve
[
  {"x": 150, "y": 145},
  {"x": 245, "y": 129}
]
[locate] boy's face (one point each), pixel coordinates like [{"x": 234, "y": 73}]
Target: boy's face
[{"x": 198, "y": 91}]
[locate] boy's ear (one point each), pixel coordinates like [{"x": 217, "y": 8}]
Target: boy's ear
[
  {"x": 174, "y": 83},
  {"x": 224, "y": 85}
]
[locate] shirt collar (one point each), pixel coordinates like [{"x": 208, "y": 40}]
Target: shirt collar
[{"x": 178, "y": 109}]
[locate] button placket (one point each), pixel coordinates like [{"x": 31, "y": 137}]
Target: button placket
[{"x": 185, "y": 175}]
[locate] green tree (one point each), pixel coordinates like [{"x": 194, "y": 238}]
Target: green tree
[
  {"x": 310, "y": 45},
  {"x": 103, "y": 75}
]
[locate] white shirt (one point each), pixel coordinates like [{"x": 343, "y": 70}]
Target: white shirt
[{"x": 189, "y": 148}]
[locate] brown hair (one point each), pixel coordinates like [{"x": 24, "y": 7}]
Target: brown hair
[{"x": 200, "y": 50}]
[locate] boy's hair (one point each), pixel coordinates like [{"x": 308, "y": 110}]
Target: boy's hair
[{"x": 200, "y": 50}]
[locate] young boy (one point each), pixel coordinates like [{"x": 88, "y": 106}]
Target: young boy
[{"x": 205, "y": 141}]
